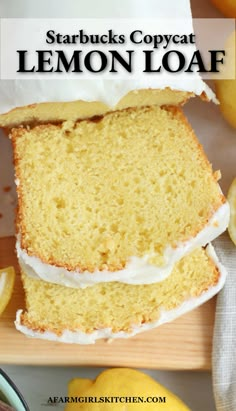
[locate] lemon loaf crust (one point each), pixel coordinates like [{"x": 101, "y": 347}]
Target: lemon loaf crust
[
  {"x": 77, "y": 110},
  {"x": 96, "y": 192},
  {"x": 120, "y": 307}
]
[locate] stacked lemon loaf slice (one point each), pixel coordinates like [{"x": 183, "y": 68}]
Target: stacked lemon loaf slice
[{"x": 113, "y": 218}]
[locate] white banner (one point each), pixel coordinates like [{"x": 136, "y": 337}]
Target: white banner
[{"x": 116, "y": 48}]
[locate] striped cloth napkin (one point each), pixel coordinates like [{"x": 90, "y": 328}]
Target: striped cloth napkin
[{"x": 224, "y": 340}]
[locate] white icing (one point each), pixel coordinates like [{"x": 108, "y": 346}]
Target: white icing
[
  {"x": 16, "y": 93},
  {"x": 92, "y": 9},
  {"x": 80, "y": 337},
  {"x": 137, "y": 271}
]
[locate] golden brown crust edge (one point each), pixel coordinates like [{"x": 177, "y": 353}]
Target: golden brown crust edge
[{"x": 75, "y": 110}]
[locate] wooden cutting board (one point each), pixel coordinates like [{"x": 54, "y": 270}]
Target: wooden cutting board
[{"x": 183, "y": 344}]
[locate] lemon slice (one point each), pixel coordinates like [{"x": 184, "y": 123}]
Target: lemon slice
[
  {"x": 7, "y": 279},
  {"x": 232, "y": 203}
]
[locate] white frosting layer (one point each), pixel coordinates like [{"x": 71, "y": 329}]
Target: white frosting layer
[
  {"x": 93, "y": 9},
  {"x": 137, "y": 271},
  {"x": 16, "y": 93},
  {"x": 80, "y": 337}
]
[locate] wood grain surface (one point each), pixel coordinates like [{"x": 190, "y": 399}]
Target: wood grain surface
[{"x": 183, "y": 344}]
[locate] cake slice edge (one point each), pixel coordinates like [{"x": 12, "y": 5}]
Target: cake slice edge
[{"x": 79, "y": 337}]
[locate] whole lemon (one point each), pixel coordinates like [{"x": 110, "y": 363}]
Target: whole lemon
[
  {"x": 227, "y": 7},
  {"x": 122, "y": 389},
  {"x": 232, "y": 202},
  {"x": 226, "y": 89}
]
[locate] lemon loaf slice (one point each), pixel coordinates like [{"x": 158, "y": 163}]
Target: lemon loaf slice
[
  {"x": 116, "y": 198},
  {"x": 115, "y": 310}
]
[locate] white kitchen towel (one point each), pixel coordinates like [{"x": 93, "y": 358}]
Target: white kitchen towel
[{"x": 224, "y": 340}]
